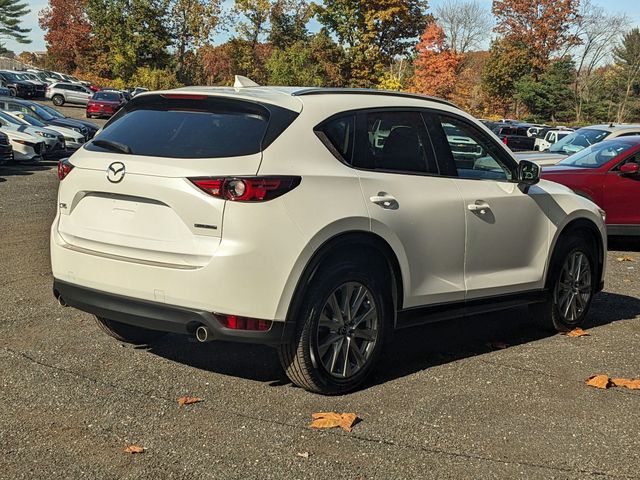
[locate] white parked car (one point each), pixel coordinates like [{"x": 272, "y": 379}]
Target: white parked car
[
  {"x": 551, "y": 137},
  {"x": 26, "y": 147},
  {"x": 278, "y": 216},
  {"x": 53, "y": 141},
  {"x": 73, "y": 139}
]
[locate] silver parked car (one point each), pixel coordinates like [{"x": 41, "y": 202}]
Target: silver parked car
[{"x": 62, "y": 92}]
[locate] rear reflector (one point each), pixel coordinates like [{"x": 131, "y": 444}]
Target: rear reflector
[
  {"x": 235, "y": 322},
  {"x": 246, "y": 189}
]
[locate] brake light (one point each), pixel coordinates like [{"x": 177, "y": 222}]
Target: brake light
[
  {"x": 183, "y": 96},
  {"x": 246, "y": 189},
  {"x": 235, "y": 322},
  {"x": 505, "y": 140},
  {"x": 64, "y": 168}
]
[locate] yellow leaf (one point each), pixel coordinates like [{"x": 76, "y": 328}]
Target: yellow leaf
[
  {"x": 625, "y": 382},
  {"x": 134, "y": 449},
  {"x": 626, "y": 258},
  {"x": 599, "y": 381},
  {"x": 577, "y": 332},
  {"x": 188, "y": 400},
  {"x": 346, "y": 421}
]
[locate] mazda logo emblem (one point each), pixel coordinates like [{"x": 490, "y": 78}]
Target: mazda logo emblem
[{"x": 115, "y": 172}]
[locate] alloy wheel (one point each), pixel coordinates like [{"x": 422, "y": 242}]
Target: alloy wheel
[
  {"x": 574, "y": 288},
  {"x": 347, "y": 330}
]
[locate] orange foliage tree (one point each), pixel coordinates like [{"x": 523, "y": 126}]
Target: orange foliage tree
[
  {"x": 544, "y": 27},
  {"x": 436, "y": 64}
]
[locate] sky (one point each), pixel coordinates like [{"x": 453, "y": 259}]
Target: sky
[{"x": 630, "y": 7}]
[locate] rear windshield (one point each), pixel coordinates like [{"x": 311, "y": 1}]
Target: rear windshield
[
  {"x": 197, "y": 127},
  {"x": 112, "y": 97}
]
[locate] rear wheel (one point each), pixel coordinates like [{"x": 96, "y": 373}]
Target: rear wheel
[
  {"x": 128, "y": 333},
  {"x": 572, "y": 284},
  {"x": 12, "y": 92},
  {"x": 340, "y": 331},
  {"x": 58, "y": 100}
]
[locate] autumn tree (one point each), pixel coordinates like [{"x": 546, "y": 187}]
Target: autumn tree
[
  {"x": 254, "y": 19},
  {"x": 466, "y": 23},
  {"x": 191, "y": 23},
  {"x": 543, "y": 27},
  {"x": 373, "y": 32},
  {"x": 435, "y": 64},
  {"x": 627, "y": 59},
  {"x": 508, "y": 62},
  {"x": 68, "y": 33},
  {"x": 288, "y": 21},
  {"x": 11, "y": 15}
]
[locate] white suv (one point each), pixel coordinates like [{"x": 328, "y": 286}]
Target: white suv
[{"x": 314, "y": 220}]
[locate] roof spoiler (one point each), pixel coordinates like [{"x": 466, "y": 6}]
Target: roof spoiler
[{"x": 243, "y": 82}]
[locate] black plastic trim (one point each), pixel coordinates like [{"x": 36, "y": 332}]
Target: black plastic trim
[
  {"x": 162, "y": 317},
  {"x": 447, "y": 311}
]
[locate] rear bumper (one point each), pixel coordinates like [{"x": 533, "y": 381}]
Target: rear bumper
[{"x": 162, "y": 317}]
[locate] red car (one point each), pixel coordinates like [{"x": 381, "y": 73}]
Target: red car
[
  {"x": 104, "y": 104},
  {"x": 608, "y": 173}
]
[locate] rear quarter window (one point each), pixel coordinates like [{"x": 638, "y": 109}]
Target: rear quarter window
[{"x": 198, "y": 127}]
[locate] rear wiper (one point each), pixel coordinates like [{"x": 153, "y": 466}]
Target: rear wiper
[{"x": 113, "y": 146}]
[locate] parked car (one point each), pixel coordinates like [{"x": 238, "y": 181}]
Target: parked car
[
  {"x": 579, "y": 140},
  {"x": 17, "y": 87},
  {"x": 54, "y": 142},
  {"x": 105, "y": 104},
  {"x": 550, "y": 137},
  {"x": 194, "y": 212},
  {"x": 36, "y": 110},
  {"x": 6, "y": 150},
  {"x": 535, "y": 129},
  {"x": 92, "y": 128},
  {"x": 516, "y": 137},
  {"x": 61, "y": 93},
  {"x": 26, "y": 147},
  {"x": 608, "y": 174},
  {"x": 72, "y": 139},
  {"x": 39, "y": 85}
]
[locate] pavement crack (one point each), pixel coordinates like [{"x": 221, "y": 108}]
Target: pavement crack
[{"x": 353, "y": 436}]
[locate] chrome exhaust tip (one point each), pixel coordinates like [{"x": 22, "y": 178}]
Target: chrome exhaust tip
[{"x": 203, "y": 334}]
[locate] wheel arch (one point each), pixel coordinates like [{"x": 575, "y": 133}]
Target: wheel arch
[{"x": 348, "y": 245}]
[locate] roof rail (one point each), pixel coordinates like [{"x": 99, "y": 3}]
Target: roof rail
[{"x": 370, "y": 91}]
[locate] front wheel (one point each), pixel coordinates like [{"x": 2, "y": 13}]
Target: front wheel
[
  {"x": 571, "y": 286},
  {"x": 340, "y": 331},
  {"x": 58, "y": 100},
  {"x": 128, "y": 333}
]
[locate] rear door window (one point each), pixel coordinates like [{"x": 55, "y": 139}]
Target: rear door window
[
  {"x": 195, "y": 127},
  {"x": 338, "y": 134}
]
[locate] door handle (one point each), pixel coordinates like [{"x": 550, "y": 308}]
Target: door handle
[
  {"x": 480, "y": 206},
  {"x": 385, "y": 200}
]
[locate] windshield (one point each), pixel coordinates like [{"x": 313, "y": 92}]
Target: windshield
[
  {"x": 41, "y": 112},
  {"x": 578, "y": 140},
  {"x": 597, "y": 155},
  {"x": 52, "y": 111},
  {"x": 10, "y": 76},
  {"x": 107, "y": 96},
  {"x": 12, "y": 119},
  {"x": 32, "y": 120}
]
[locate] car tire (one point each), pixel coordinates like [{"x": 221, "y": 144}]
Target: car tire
[
  {"x": 128, "y": 333},
  {"x": 12, "y": 92},
  {"x": 58, "y": 100},
  {"x": 571, "y": 286},
  {"x": 336, "y": 347}
]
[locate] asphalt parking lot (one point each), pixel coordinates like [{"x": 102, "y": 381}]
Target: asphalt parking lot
[{"x": 485, "y": 397}]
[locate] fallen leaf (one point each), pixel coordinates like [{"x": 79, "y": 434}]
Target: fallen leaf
[
  {"x": 599, "y": 381},
  {"x": 303, "y": 454},
  {"x": 626, "y": 258},
  {"x": 346, "y": 421},
  {"x": 625, "y": 382},
  {"x": 498, "y": 345},
  {"x": 577, "y": 332},
  {"x": 134, "y": 449},
  {"x": 188, "y": 400}
]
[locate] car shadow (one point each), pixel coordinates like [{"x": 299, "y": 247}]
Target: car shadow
[
  {"x": 624, "y": 244},
  {"x": 411, "y": 350},
  {"x": 21, "y": 169}
]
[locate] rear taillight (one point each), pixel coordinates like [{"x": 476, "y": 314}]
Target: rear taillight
[
  {"x": 246, "y": 189},
  {"x": 235, "y": 322},
  {"x": 64, "y": 168},
  {"x": 505, "y": 140}
]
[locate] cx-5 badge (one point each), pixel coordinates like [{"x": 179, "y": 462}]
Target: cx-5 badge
[{"x": 115, "y": 172}]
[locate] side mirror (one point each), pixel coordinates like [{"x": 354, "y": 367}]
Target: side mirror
[
  {"x": 630, "y": 169},
  {"x": 528, "y": 172}
]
